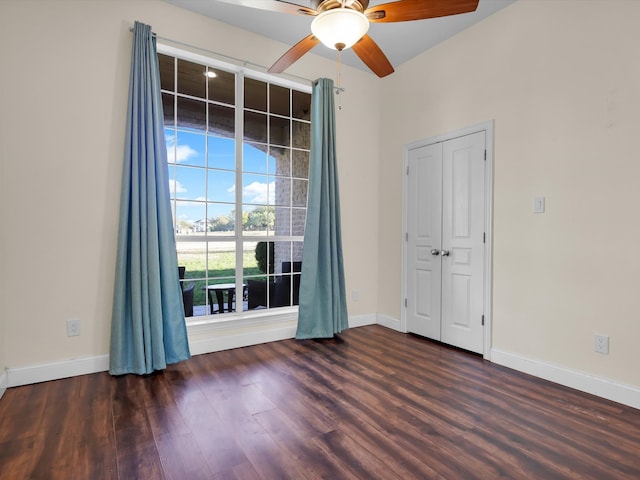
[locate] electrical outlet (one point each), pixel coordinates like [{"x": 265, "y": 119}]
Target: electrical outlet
[
  {"x": 601, "y": 343},
  {"x": 73, "y": 328},
  {"x": 355, "y": 295}
]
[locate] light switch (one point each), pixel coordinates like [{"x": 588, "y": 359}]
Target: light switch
[{"x": 538, "y": 204}]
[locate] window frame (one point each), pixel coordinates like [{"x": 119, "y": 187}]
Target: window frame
[{"x": 239, "y": 236}]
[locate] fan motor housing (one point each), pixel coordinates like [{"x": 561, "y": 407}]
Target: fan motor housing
[{"x": 324, "y": 5}]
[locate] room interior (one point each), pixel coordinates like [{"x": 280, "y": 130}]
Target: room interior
[{"x": 559, "y": 81}]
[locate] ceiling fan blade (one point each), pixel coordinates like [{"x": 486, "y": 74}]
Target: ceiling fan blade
[
  {"x": 273, "y": 6},
  {"x": 373, "y": 57},
  {"x": 294, "y": 53},
  {"x": 405, "y": 10}
]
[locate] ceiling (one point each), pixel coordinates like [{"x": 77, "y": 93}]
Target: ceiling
[{"x": 399, "y": 41}]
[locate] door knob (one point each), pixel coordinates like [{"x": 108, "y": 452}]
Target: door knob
[
  {"x": 435, "y": 251},
  {"x": 444, "y": 253}
]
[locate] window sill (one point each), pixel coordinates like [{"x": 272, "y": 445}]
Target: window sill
[{"x": 233, "y": 321}]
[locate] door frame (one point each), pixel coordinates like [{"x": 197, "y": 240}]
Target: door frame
[{"x": 487, "y": 128}]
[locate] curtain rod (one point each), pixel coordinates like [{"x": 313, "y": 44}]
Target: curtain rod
[{"x": 235, "y": 60}]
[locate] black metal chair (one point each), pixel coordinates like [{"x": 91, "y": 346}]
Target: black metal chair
[
  {"x": 187, "y": 293},
  {"x": 187, "y": 299}
]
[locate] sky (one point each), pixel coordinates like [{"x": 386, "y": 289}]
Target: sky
[{"x": 188, "y": 149}]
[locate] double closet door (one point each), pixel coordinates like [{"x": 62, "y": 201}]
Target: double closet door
[{"x": 445, "y": 241}]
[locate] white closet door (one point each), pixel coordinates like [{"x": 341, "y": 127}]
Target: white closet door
[{"x": 445, "y": 241}]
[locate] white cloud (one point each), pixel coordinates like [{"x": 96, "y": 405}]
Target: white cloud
[
  {"x": 176, "y": 187},
  {"x": 178, "y": 153},
  {"x": 257, "y": 192}
]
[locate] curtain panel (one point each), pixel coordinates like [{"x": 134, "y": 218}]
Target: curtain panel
[
  {"x": 148, "y": 329},
  {"x": 323, "y": 307}
]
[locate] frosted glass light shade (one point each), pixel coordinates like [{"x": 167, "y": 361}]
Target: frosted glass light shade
[{"x": 340, "y": 28}]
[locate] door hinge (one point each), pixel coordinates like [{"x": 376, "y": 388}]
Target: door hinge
[
  {"x": 406, "y": 237},
  {"x": 483, "y": 320},
  {"x": 407, "y": 169},
  {"x": 405, "y": 303},
  {"x": 484, "y": 237},
  {"x": 485, "y": 155}
]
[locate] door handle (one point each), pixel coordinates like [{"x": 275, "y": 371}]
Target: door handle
[
  {"x": 435, "y": 251},
  {"x": 444, "y": 253}
]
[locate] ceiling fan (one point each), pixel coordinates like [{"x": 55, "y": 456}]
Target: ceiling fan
[{"x": 341, "y": 24}]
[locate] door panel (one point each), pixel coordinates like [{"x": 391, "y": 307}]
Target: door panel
[
  {"x": 462, "y": 235},
  {"x": 424, "y": 214}
]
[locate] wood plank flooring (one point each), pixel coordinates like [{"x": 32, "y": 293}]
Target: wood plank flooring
[{"x": 370, "y": 404}]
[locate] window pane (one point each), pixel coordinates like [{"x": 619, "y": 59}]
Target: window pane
[
  {"x": 255, "y": 94},
  {"x": 221, "y": 186},
  {"x": 222, "y": 153},
  {"x": 280, "y": 161},
  {"x": 283, "y": 191},
  {"x": 192, "y": 256},
  {"x": 301, "y": 105},
  {"x": 192, "y": 114},
  {"x": 279, "y": 100},
  {"x": 192, "y": 79},
  {"x": 170, "y": 142},
  {"x": 189, "y": 148},
  {"x": 221, "y": 218},
  {"x": 190, "y": 217},
  {"x": 287, "y": 284},
  {"x": 167, "y": 109},
  {"x": 301, "y": 135},
  {"x": 166, "y": 65},
  {"x": 222, "y": 88},
  {"x": 256, "y": 189},
  {"x": 257, "y": 220},
  {"x": 221, "y": 262},
  {"x": 190, "y": 183},
  {"x": 299, "y": 193},
  {"x": 298, "y": 219},
  {"x": 254, "y": 158},
  {"x": 282, "y": 223},
  {"x": 300, "y": 164},
  {"x": 249, "y": 260},
  {"x": 255, "y": 127},
  {"x": 222, "y": 121},
  {"x": 221, "y": 295},
  {"x": 279, "y": 131}
]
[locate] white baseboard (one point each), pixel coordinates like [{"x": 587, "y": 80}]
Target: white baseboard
[
  {"x": 4, "y": 383},
  {"x": 601, "y": 387},
  {"x": 362, "y": 320},
  {"x": 56, "y": 370},
  {"x": 389, "y": 322}
]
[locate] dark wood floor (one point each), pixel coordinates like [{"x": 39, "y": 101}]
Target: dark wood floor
[{"x": 371, "y": 404}]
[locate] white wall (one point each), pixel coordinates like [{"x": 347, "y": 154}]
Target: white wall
[
  {"x": 562, "y": 82},
  {"x": 65, "y": 76}
]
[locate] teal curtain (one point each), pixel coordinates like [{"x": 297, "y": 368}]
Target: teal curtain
[
  {"x": 323, "y": 306},
  {"x": 148, "y": 329}
]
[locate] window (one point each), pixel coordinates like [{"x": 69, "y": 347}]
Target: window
[{"x": 238, "y": 153}]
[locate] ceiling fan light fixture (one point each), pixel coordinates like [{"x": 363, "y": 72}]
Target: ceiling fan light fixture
[{"x": 340, "y": 28}]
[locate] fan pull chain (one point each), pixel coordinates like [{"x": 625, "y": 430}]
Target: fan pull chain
[{"x": 339, "y": 79}]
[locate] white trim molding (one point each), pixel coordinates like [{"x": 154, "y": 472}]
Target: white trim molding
[
  {"x": 601, "y": 387},
  {"x": 4, "y": 382},
  {"x": 390, "y": 322},
  {"x": 362, "y": 320},
  {"x": 56, "y": 370}
]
